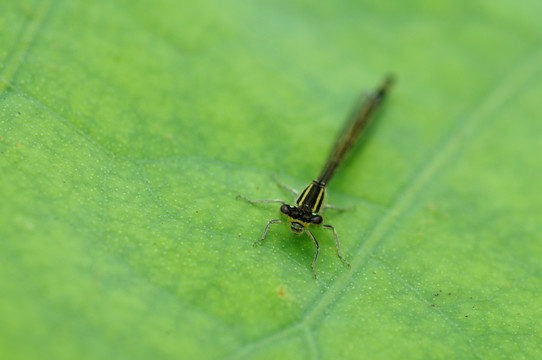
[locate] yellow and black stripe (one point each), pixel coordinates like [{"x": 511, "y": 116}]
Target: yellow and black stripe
[
  {"x": 312, "y": 197},
  {"x": 310, "y": 201}
]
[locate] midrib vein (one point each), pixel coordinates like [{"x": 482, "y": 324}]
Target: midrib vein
[{"x": 459, "y": 136}]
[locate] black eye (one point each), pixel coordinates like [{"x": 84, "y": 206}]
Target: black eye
[
  {"x": 316, "y": 219},
  {"x": 285, "y": 209}
]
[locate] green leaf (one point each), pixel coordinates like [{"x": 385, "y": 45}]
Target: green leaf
[{"x": 128, "y": 128}]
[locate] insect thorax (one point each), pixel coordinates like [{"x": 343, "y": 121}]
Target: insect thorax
[{"x": 311, "y": 199}]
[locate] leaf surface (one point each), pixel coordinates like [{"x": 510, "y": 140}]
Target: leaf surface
[{"x": 128, "y": 128}]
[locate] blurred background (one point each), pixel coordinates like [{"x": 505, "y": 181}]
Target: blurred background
[{"x": 127, "y": 129}]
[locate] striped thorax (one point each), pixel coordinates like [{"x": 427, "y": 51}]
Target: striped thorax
[{"x": 308, "y": 205}]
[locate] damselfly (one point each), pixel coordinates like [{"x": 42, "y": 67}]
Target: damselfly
[{"x": 306, "y": 210}]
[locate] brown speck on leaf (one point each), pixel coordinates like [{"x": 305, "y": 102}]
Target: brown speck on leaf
[
  {"x": 449, "y": 293},
  {"x": 436, "y": 294},
  {"x": 466, "y": 316},
  {"x": 432, "y": 305},
  {"x": 280, "y": 291}
]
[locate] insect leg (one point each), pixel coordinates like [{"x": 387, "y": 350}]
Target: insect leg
[
  {"x": 274, "y": 221},
  {"x": 337, "y": 242},
  {"x": 284, "y": 186},
  {"x": 317, "y": 251},
  {"x": 261, "y": 201}
]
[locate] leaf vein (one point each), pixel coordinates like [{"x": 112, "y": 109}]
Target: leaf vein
[
  {"x": 520, "y": 74},
  {"x": 438, "y": 310},
  {"x": 462, "y": 133},
  {"x": 26, "y": 39}
]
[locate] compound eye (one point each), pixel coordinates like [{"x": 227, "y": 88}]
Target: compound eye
[
  {"x": 285, "y": 209},
  {"x": 316, "y": 219}
]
